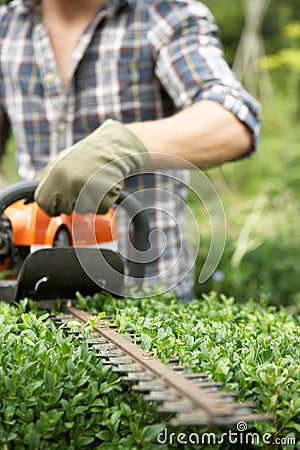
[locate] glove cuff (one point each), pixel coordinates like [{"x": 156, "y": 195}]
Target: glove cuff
[{"x": 123, "y": 143}]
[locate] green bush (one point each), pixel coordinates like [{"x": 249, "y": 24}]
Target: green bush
[
  {"x": 55, "y": 394},
  {"x": 271, "y": 271},
  {"x": 252, "y": 348}
]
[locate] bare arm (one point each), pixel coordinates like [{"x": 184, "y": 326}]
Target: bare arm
[{"x": 205, "y": 134}]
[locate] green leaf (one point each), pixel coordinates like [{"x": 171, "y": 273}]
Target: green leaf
[
  {"x": 293, "y": 425},
  {"x": 69, "y": 425},
  {"x": 115, "y": 417},
  {"x": 80, "y": 410},
  {"x": 104, "y": 435},
  {"x": 33, "y": 440},
  {"x": 146, "y": 341},
  {"x": 98, "y": 402},
  {"x": 125, "y": 410},
  {"x": 150, "y": 432},
  {"x": 49, "y": 380},
  {"x": 85, "y": 440}
]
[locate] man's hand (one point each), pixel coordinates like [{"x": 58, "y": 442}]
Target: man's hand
[{"x": 111, "y": 152}]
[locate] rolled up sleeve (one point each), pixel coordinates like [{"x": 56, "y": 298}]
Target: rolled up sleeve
[{"x": 190, "y": 63}]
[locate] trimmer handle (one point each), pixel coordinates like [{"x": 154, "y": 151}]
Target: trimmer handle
[
  {"x": 25, "y": 190},
  {"x": 18, "y": 191}
]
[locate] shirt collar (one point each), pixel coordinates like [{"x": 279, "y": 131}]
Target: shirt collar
[
  {"x": 116, "y": 5},
  {"x": 121, "y": 5},
  {"x": 113, "y": 7}
]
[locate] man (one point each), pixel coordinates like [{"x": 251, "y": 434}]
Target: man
[{"x": 156, "y": 69}]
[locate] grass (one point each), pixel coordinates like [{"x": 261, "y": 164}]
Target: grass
[{"x": 9, "y": 167}]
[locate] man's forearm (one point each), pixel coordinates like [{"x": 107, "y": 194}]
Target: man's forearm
[{"x": 204, "y": 134}]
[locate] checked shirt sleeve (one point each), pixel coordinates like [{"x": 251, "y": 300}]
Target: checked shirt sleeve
[{"x": 190, "y": 62}]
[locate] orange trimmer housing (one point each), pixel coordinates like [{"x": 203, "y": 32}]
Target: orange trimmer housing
[
  {"x": 56, "y": 257},
  {"x": 32, "y": 229}
]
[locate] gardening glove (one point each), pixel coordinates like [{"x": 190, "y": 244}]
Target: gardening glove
[{"x": 111, "y": 148}]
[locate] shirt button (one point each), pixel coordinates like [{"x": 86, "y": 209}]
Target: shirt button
[
  {"x": 62, "y": 126},
  {"x": 39, "y": 27},
  {"x": 49, "y": 77}
]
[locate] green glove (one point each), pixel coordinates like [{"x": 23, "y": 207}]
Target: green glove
[{"x": 111, "y": 144}]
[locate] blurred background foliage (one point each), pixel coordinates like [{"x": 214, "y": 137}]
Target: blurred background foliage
[{"x": 260, "y": 194}]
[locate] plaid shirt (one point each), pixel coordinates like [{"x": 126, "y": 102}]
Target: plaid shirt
[{"x": 137, "y": 60}]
